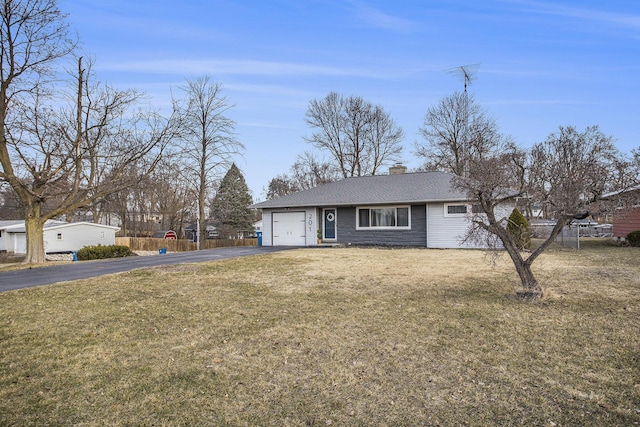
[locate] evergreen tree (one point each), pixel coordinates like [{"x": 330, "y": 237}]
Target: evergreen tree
[
  {"x": 518, "y": 227},
  {"x": 230, "y": 208}
]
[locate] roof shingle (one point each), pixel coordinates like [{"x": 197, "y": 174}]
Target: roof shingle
[{"x": 416, "y": 187}]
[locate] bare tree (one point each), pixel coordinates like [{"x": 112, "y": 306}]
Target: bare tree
[
  {"x": 280, "y": 186},
  {"x": 33, "y": 37},
  {"x": 209, "y": 142},
  {"x": 307, "y": 172},
  {"x": 359, "y": 136},
  {"x": 569, "y": 173},
  {"x": 10, "y": 205},
  {"x": 173, "y": 197},
  {"x": 457, "y": 132},
  {"x": 76, "y": 156}
]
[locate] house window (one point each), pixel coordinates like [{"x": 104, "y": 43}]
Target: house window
[
  {"x": 456, "y": 209},
  {"x": 460, "y": 209},
  {"x": 59, "y": 236},
  {"x": 384, "y": 217}
]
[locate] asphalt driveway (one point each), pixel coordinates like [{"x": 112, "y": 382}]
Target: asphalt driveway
[{"x": 25, "y": 278}]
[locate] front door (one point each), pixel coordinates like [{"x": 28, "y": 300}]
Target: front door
[{"x": 330, "y": 224}]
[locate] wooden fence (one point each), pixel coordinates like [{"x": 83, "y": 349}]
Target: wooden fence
[{"x": 182, "y": 245}]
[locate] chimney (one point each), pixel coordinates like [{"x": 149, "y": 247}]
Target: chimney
[{"x": 397, "y": 169}]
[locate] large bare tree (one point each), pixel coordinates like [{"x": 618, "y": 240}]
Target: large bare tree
[
  {"x": 74, "y": 155},
  {"x": 358, "y": 136},
  {"x": 569, "y": 172},
  {"x": 457, "y": 132},
  {"x": 209, "y": 142}
]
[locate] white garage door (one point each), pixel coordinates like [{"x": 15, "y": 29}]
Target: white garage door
[{"x": 289, "y": 229}]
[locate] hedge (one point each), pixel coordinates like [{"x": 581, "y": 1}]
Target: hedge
[{"x": 103, "y": 252}]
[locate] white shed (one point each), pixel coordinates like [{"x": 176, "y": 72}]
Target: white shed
[{"x": 58, "y": 236}]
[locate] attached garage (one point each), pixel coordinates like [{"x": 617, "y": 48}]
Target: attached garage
[{"x": 289, "y": 229}]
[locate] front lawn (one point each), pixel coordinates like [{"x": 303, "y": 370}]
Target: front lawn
[{"x": 316, "y": 337}]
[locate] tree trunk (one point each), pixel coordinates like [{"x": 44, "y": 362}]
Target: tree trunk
[
  {"x": 531, "y": 289},
  {"x": 34, "y": 225}
]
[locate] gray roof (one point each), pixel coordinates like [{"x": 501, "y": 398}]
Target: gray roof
[
  {"x": 11, "y": 223},
  {"x": 406, "y": 188},
  {"x": 18, "y": 226}
]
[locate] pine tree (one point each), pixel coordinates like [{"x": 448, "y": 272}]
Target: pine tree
[
  {"x": 519, "y": 228},
  {"x": 230, "y": 208}
]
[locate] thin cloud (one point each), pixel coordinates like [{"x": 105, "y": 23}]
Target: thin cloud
[
  {"x": 238, "y": 67},
  {"x": 268, "y": 90},
  {"x": 379, "y": 19},
  {"x": 612, "y": 18},
  {"x": 516, "y": 101}
]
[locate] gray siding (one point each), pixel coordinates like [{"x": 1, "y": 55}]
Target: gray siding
[{"x": 347, "y": 233}]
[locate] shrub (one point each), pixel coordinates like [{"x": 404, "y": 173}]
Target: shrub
[
  {"x": 633, "y": 238},
  {"x": 103, "y": 252},
  {"x": 518, "y": 227}
]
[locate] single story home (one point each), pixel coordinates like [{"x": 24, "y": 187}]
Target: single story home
[
  {"x": 59, "y": 236},
  {"x": 407, "y": 209}
]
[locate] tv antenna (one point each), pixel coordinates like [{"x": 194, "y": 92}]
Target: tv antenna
[{"x": 466, "y": 72}]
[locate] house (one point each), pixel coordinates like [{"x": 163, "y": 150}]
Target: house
[
  {"x": 626, "y": 217},
  {"x": 58, "y": 236},
  {"x": 257, "y": 227},
  {"x": 191, "y": 232},
  {"x": 408, "y": 209}
]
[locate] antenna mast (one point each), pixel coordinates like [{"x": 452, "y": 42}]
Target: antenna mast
[{"x": 466, "y": 72}]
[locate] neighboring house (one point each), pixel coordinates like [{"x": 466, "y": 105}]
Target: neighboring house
[
  {"x": 190, "y": 232},
  {"x": 626, "y": 218},
  {"x": 408, "y": 209},
  {"x": 257, "y": 227},
  {"x": 58, "y": 236}
]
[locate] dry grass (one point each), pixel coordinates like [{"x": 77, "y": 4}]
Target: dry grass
[{"x": 330, "y": 337}]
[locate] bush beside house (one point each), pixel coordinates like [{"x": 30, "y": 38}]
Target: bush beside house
[{"x": 103, "y": 252}]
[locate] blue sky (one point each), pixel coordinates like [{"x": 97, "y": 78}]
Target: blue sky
[{"x": 543, "y": 64}]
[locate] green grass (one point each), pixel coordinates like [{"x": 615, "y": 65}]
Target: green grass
[{"x": 331, "y": 336}]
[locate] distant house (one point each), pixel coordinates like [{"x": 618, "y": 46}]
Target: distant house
[
  {"x": 408, "y": 209},
  {"x": 191, "y": 232},
  {"x": 257, "y": 227},
  {"x": 626, "y": 217},
  {"x": 58, "y": 236}
]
